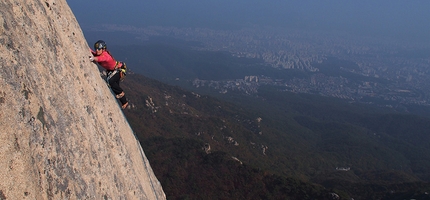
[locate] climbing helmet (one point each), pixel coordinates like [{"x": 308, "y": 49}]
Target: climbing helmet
[{"x": 100, "y": 45}]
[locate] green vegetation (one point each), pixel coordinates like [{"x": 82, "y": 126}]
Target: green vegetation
[
  {"x": 190, "y": 173},
  {"x": 292, "y": 153}
]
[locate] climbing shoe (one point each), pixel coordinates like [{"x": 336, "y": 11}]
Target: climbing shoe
[{"x": 124, "y": 105}]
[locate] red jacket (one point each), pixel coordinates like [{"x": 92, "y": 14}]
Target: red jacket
[{"x": 106, "y": 60}]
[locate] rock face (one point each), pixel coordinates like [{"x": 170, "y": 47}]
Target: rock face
[{"x": 63, "y": 135}]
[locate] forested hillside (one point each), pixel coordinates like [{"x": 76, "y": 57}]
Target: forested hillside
[{"x": 277, "y": 146}]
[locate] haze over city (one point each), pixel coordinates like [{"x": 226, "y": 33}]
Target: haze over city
[{"x": 387, "y": 41}]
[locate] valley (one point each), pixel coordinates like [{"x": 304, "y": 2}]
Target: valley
[
  {"x": 332, "y": 123},
  {"x": 290, "y": 138}
]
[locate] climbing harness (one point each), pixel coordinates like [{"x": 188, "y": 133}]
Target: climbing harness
[
  {"x": 110, "y": 74},
  {"x": 122, "y": 70}
]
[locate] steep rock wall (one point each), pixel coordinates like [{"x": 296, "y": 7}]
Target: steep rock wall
[{"x": 62, "y": 133}]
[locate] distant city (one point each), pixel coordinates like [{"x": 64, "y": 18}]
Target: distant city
[{"x": 393, "y": 71}]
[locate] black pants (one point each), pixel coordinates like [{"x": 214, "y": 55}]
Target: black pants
[{"x": 114, "y": 85}]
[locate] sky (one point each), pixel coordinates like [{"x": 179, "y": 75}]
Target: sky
[{"x": 402, "y": 19}]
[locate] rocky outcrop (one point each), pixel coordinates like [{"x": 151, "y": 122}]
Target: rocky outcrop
[{"x": 63, "y": 135}]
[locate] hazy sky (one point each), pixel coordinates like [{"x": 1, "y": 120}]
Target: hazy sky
[{"x": 404, "y": 19}]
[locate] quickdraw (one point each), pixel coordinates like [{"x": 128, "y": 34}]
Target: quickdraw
[{"x": 122, "y": 71}]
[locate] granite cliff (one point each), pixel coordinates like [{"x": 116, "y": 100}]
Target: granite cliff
[{"x": 63, "y": 135}]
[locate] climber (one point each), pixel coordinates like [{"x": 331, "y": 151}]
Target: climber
[{"x": 115, "y": 69}]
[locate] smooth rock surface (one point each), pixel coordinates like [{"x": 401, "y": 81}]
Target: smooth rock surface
[{"x": 62, "y": 133}]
